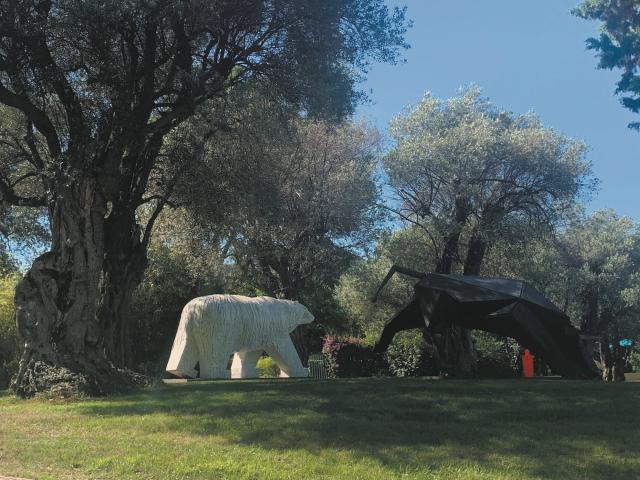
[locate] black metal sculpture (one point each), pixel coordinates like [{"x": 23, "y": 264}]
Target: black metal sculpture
[{"x": 509, "y": 308}]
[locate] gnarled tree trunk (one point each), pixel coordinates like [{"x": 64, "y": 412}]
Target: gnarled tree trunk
[
  {"x": 456, "y": 345},
  {"x": 475, "y": 255},
  {"x": 456, "y": 349},
  {"x": 125, "y": 260},
  {"x": 457, "y": 352},
  {"x": 56, "y": 302},
  {"x": 612, "y": 360}
]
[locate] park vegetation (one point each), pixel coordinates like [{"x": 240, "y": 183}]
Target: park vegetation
[
  {"x": 94, "y": 95},
  {"x": 209, "y": 147}
]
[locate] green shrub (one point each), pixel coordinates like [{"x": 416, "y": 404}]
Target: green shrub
[
  {"x": 634, "y": 357},
  {"x": 410, "y": 356},
  {"x": 9, "y": 342},
  {"x": 347, "y": 357},
  {"x": 268, "y": 368},
  {"x": 497, "y": 356}
]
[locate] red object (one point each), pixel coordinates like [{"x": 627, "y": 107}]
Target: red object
[{"x": 527, "y": 364}]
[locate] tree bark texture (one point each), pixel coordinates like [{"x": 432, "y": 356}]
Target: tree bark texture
[
  {"x": 475, "y": 255},
  {"x": 612, "y": 359},
  {"x": 456, "y": 349},
  {"x": 59, "y": 300},
  {"x": 125, "y": 260}
]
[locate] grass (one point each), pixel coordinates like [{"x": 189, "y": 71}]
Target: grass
[{"x": 346, "y": 429}]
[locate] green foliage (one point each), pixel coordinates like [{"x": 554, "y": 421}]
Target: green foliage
[
  {"x": 634, "y": 357},
  {"x": 7, "y": 262},
  {"x": 268, "y": 368},
  {"x": 410, "y": 356},
  {"x": 295, "y": 201},
  {"x": 618, "y": 45},
  {"x": 589, "y": 269},
  {"x": 9, "y": 342},
  {"x": 537, "y": 260},
  {"x": 463, "y": 170},
  {"x": 184, "y": 263},
  {"x": 358, "y": 285},
  {"x": 310, "y": 201},
  {"x": 497, "y": 356},
  {"x": 603, "y": 249}
]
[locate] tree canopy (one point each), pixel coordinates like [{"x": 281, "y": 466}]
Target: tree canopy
[
  {"x": 604, "y": 252},
  {"x": 463, "y": 163},
  {"x": 618, "y": 45}
]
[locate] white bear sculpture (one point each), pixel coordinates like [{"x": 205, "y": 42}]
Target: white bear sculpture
[{"x": 213, "y": 328}]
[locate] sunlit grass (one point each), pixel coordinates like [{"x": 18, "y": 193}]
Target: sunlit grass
[{"x": 347, "y": 429}]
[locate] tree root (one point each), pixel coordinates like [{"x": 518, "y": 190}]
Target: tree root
[{"x": 43, "y": 379}]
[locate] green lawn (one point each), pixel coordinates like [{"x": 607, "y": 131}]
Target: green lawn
[{"x": 346, "y": 429}]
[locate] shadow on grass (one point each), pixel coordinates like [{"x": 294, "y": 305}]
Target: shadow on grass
[{"x": 555, "y": 428}]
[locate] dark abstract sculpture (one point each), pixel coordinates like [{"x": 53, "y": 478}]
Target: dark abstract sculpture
[{"x": 505, "y": 307}]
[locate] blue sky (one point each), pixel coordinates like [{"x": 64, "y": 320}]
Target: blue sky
[{"x": 526, "y": 55}]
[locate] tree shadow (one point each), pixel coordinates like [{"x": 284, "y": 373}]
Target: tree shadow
[{"x": 555, "y": 428}]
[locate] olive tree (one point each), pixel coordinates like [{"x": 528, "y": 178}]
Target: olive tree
[
  {"x": 468, "y": 173},
  {"x": 603, "y": 251}
]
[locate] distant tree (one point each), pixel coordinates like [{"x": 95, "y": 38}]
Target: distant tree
[
  {"x": 462, "y": 169},
  {"x": 604, "y": 252},
  {"x": 618, "y": 45},
  {"x": 98, "y": 87},
  {"x": 589, "y": 268},
  {"x": 301, "y": 204},
  {"x": 540, "y": 262},
  {"x": 634, "y": 357}
]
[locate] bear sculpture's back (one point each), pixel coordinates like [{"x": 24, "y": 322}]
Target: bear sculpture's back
[{"x": 214, "y": 327}]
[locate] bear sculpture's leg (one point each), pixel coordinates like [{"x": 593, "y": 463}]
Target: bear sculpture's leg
[
  {"x": 285, "y": 355},
  {"x": 244, "y": 364},
  {"x": 184, "y": 356},
  {"x": 214, "y": 361}
]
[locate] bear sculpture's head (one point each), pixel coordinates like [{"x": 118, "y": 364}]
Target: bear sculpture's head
[{"x": 301, "y": 315}]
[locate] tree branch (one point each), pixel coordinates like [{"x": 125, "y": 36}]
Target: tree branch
[
  {"x": 8, "y": 196},
  {"x": 38, "y": 117},
  {"x": 414, "y": 222}
]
